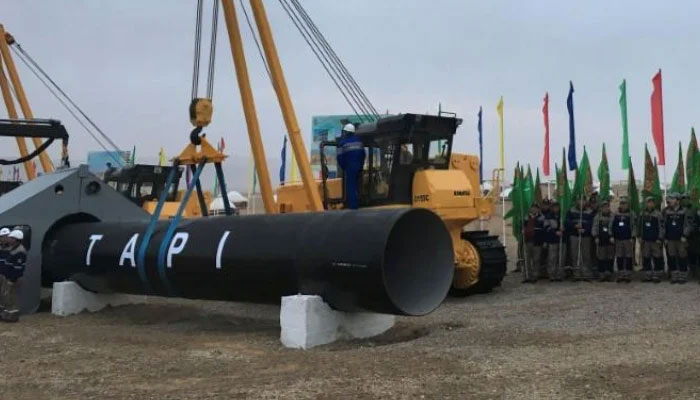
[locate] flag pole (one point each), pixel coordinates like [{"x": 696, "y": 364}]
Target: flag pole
[
  {"x": 580, "y": 234},
  {"x": 665, "y": 185},
  {"x": 503, "y": 212},
  {"x": 526, "y": 273}
]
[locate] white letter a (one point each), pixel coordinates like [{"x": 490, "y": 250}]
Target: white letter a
[{"x": 129, "y": 252}]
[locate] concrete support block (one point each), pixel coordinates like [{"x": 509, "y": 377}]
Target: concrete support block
[
  {"x": 69, "y": 298},
  {"x": 307, "y": 321}
]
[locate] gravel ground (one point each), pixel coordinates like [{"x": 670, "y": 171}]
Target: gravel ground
[{"x": 568, "y": 340}]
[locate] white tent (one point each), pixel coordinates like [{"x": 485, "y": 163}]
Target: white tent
[{"x": 236, "y": 200}]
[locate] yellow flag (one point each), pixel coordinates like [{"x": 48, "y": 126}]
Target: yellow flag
[
  {"x": 161, "y": 157},
  {"x": 499, "y": 109},
  {"x": 294, "y": 175}
]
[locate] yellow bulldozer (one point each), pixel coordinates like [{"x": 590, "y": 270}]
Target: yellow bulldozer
[{"x": 409, "y": 161}]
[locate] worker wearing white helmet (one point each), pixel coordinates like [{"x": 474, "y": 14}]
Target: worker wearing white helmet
[
  {"x": 13, "y": 266},
  {"x": 351, "y": 158},
  {"x": 4, "y": 247}
]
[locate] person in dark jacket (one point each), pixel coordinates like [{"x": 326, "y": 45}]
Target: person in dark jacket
[
  {"x": 533, "y": 229},
  {"x": 12, "y": 272},
  {"x": 605, "y": 244},
  {"x": 579, "y": 222},
  {"x": 677, "y": 230},
  {"x": 553, "y": 239},
  {"x": 351, "y": 158},
  {"x": 624, "y": 231},
  {"x": 693, "y": 239},
  {"x": 651, "y": 234}
]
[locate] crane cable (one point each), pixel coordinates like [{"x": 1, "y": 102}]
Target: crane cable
[
  {"x": 62, "y": 97},
  {"x": 297, "y": 23},
  {"x": 255, "y": 39},
  {"x": 198, "y": 49},
  {"x": 334, "y": 56},
  {"x": 329, "y": 60}
]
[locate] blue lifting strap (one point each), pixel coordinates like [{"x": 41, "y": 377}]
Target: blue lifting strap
[
  {"x": 222, "y": 185},
  {"x": 141, "y": 256},
  {"x": 171, "y": 229}
]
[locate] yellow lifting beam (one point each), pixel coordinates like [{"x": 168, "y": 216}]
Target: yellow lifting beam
[
  {"x": 46, "y": 163},
  {"x": 251, "y": 117},
  {"x": 290, "y": 119}
]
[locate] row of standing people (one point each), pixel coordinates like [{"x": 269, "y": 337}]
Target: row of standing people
[{"x": 598, "y": 240}]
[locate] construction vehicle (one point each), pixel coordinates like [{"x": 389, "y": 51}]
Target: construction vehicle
[
  {"x": 144, "y": 183},
  {"x": 410, "y": 162}
]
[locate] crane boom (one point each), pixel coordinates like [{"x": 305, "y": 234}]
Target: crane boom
[
  {"x": 44, "y": 159},
  {"x": 251, "y": 116},
  {"x": 12, "y": 113},
  {"x": 290, "y": 119}
]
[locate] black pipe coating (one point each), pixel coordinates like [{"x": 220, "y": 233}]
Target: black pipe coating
[{"x": 395, "y": 261}]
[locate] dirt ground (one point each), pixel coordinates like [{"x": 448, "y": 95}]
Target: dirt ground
[
  {"x": 549, "y": 340},
  {"x": 567, "y": 340}
]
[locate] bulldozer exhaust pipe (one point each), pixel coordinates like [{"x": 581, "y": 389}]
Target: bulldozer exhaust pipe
[{"x": 395, "y": 261}]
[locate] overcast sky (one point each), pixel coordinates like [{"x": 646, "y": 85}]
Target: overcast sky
[{"x": 129, "y": 64}]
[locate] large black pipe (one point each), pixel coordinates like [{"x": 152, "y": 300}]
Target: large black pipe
[{"x": 396, "y": 261}]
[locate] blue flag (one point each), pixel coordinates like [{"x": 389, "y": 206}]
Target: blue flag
[
  {"x": 481, "y": 149},
  {"x": 283, "y": 167},
  {"x": 572, "y": 130}
]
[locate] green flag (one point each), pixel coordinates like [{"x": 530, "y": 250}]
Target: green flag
[
  {"x": 693, "y": 185},
  {"x": 133, "y": 157},
  {"x": 528, "y": 188},
  {"x": 678, "y": 182},
  {"x": 652, "y": 186},
  {"x": 604, "y": 176},
  {"x": 537, "y": 197},
  {"x": 625, "y": 138},
  {"x": 518, "y": 210},
  {"x": 690, "y": 157},
  {"x": 632, "y": 191},
  {"x": 583, "y": 184},
  {"x": 563, "y": 190}
]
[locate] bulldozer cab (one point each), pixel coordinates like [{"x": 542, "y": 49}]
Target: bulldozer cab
[
  {"x": 142, "y": 183},
  {"x": 396, "y": 147}
]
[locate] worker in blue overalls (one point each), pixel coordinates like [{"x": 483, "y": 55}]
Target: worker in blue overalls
[{"x": 351, "y": 158}]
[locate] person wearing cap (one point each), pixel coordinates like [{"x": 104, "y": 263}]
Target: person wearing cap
[
  {"x": 351, "y": 158},
  {"x": 4, "y": 251},
  {"x": 687, "y": 204},
  {"x": 553, "y": 238},
  {"x": 677, "y": 230},
  {"x": 651, "y": 233},
  {"x": 579, "y": 222},
  {"x": 533, "y": 233},
  {"x": 624, "y": 232},
  {"x": 13, "y": 270},
  {"x": 604, "y": 241}
]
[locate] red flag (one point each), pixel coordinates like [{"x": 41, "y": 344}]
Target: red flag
[
  {"x": 657, "y": 118},
  {"x": 223, "y": 145},
  {"x": 545, "y": 113}
]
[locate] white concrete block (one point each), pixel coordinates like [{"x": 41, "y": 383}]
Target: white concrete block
[
  {"x": 69, "y": 298},
  {"x": 307, "y": 321}
]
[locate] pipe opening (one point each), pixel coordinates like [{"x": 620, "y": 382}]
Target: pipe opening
[{"x": 418, "y": 263}]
